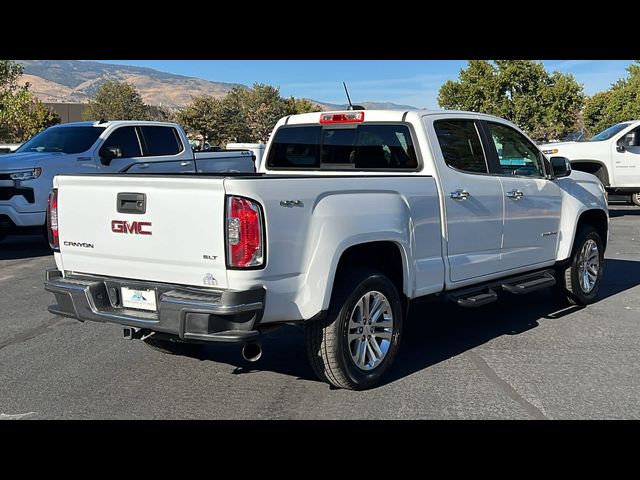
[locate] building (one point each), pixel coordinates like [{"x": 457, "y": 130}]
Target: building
[{"x": 68, "y": 112}]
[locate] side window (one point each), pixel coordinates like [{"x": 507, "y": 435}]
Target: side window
[
  {"x": 633, "y": 137},
  {"x": 460, "y": 145},
  {"x": 126, "y": 139},
  {"x": 517, "y": 155},
  {"x": 160, "y": 141}
]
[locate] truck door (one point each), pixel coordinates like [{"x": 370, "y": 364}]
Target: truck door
[
  {"x": 120, "y": 149},
  {"x": 532, "y": 203},
  {"x": 145, "y": 149},
  {"x": 473, "y": 204},
  {"x": 625, "y": 153}
]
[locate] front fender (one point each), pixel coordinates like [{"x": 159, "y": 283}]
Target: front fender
[{"x": 580, "y": 192}]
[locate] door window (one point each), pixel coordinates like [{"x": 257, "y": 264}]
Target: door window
[
  {"x": 460, "y": 145},
  {"x": 517, "y": 155},
  {"x": 126, "y": 139},
  {"x": 161, "y": 141}
]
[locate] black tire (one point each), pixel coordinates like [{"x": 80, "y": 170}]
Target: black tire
[
  {"x": 568, "y": 288},
  {"x": 172, "y": 347},
  {"x": 635, "y": 198},
  {"x": 327, "y": 342},
  {"x": 3, "y": 236}
]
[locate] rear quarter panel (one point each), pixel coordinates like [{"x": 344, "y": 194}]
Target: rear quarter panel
[{"x": 305, "y": 243}]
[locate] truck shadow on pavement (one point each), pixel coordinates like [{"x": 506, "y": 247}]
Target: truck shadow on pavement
[
  {"x": 17, "y": 247},
  {"x": 435, "y": 330},
  {"x": 624, "y": 213}
]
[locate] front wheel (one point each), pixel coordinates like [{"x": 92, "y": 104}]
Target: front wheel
[
  {"x": 354, "y": 345},
  {"x": 635, "y": 199},
  {"x": 2, "y": 236},
  {"x": 578, "y": 283}
]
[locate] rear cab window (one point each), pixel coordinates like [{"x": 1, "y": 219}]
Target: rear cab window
[{"x": 373, "y": 146}]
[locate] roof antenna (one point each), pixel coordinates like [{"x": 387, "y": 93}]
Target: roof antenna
[{"x": 351, "y": 105}]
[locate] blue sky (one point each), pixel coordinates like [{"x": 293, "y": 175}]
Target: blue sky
[{"x": 407, "y": 82}]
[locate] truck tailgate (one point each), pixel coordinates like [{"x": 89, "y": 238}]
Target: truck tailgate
[{"x": 178, "y": 239}]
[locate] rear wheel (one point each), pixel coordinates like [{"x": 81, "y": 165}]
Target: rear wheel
[
  {"x": 578, "y": 282},
  {"x": 354, "y": 345},
  {"x": 635, "y": 199},
  {"x": 2, "y": 236}
]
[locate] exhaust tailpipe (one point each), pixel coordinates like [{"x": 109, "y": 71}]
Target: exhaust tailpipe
[{"x": 252, "y": 352}]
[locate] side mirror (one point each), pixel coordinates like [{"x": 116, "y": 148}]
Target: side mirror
[
  {"x": 561, "y": 166},
  {"x": 109, "y": 153}
]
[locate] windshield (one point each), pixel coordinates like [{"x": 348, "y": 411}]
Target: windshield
[
  {"x": 63, "y": 139},
  {"x": 610, "y": 132}
]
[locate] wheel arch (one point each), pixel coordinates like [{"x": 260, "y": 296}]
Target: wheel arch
[
  {"x": 387, "y": 256},
  {"x": 594, "y": 167},
  {"x": 595, "y": 217}
]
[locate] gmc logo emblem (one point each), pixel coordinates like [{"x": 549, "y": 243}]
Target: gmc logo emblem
[{"x": 135, "y": 228}]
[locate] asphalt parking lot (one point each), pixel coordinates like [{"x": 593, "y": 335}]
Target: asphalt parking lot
[{"x": 521, "y": 358}]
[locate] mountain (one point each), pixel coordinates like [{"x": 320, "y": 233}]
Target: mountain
[
  {"x": 73, "y": 81},
  {"x": 77, "y": 81}
]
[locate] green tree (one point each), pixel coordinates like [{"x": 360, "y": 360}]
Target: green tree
[
  {"x": 234, "y": 116},
  {"x": 243, "y": 115},
  {"x": 204, "y": 117},
  {"x": 301, "y": 105},
  {"x": 116, "y": 101},
  {"x": 161, "y": 114},
  {"x": 545, "y": 106},
  {"x": 618, "y": 104},
  {"x": 22, "y": 115},
  {"x": 264, "y": 107},
  {"x": 10, "y": 72}
]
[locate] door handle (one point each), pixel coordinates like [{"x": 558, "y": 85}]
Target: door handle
[
  {"x": 515, "y": 194},
  {"x": 84, "y": 159},
  {"x": 460, "y": 194},
  {"x": 185, "y": 164}
]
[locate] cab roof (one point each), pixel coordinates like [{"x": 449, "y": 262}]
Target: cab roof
[
  {"x": 117, "y": 123},
  {"x": 385, "y": 115}
]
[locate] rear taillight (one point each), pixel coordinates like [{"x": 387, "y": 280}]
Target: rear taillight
[
  {"x": 52, "y": 220},
  {"x": 245, "y": 243}
]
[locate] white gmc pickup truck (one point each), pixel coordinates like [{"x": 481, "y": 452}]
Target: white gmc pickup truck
[
  {"x": 96, "y": 147},
  {"x": 351, "y": 216}
]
